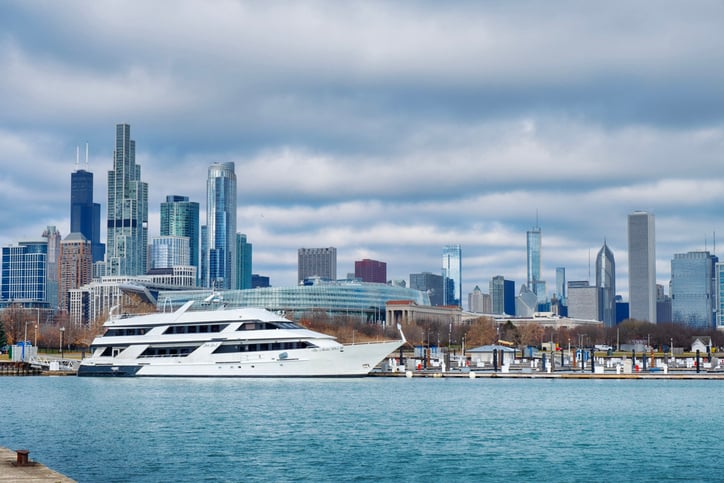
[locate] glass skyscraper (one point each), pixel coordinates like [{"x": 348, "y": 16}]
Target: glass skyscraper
[
  {"x": 692, "y": 289},
  {"x": 180, "y": 217},
  {"x": 221, "y": 226},
  {"x": 85, "y": 216},
  {"x": 502, "y": 293},
  {"x": 243, "y": 259},
  {"x": 642, "y": 266},
  {"x": 533, "y": 251},
  {"x": 606, "y": 283},
  {"x": 24, "y": 272},
  {"x": 452, "y": 268},
  {"x": 127, "y": 210}
]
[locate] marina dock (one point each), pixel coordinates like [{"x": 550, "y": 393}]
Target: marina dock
[{"x": 16, "y": 466}]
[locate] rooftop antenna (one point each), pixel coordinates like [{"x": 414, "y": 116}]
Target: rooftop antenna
[
  {"x": 589, "y": 264},
  {"x": 86, "y": 155},
  {"x": 77, "y": 156},
  {"x": 536, "y": 218},
  {"x": 714, "y": 249}
]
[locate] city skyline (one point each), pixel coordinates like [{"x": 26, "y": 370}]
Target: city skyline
[{"x": 387, "y": 131}]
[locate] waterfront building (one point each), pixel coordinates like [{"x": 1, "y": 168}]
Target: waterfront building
[
  {"x": 533, "y": 255},
  {"x": 452, "y": 268},
  {"x": 606, "y": 284},
  {"x": 75, "y": 265},
  {"x": 259, "y": 281},
  {"x": 692, "y": 289},
  {"x": 642, "y": 266},
  {"x": 372, "y": 271},
  {"x": 127, "y": 244},
  {"x": 25, "y": 274},
  {"x": 584, "y": 300},
  {"x": 502, "y": 294},
  {"x": 180, "y": 217},
  {"x": 431, "y": 284},
  {"x": 316, "y": 262},
  {"x": 170, "y": 251},
  {"x": 243, "y": 260},
  {"x": 479, "y": 302},
  {"x": 85, "y": 215},
  {"x": 364, "y": 301},
  {"x": 221, "y": 226}
]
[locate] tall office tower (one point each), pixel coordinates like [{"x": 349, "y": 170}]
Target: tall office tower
[
  {"x": 583, "y": 300},
  {"x": 430, "y": 283},
  {"x": 203, "y": 278},
  {"x": 561, "y": 292},
  {"x": 606, "y": 282},
  {"x": 170, "y": 251},
  {"x": 452, "y": 268},
  {"x": 221, "y": 226},
  {"x": 127, "y": 244},
  {"x": 24, "y": 273},
  {"x": 317, "y": 262},
  {"x": 243, "y": 262},
  {"x": 371, "y": 271},
  {"x": 75, "y": 266},
  {"x": 85, "y": 216},
  {"x": 479, "y": 302},
  {"x": 502, "y": 293},
  {"x": 692, "y": 289},
  {"x": 533, "y": 251},
  {"x": 180, "y": 217},
  {"x": 719, "y": 295},
  {"x": 52, "y": 238},
  {"x": 642, "y": 266}
]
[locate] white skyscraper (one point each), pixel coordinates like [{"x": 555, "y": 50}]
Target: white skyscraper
[{"x": 642, "y": 266}]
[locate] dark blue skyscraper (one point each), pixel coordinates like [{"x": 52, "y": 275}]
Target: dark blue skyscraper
[{"x": 85, "y": 216}]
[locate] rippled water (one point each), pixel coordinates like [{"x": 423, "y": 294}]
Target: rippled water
[{"x": 366, "y": 429}]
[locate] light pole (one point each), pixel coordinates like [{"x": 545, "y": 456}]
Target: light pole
[{"x": 62, "y": 331}]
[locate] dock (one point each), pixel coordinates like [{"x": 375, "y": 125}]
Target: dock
[{"x": 17, "y": 466}]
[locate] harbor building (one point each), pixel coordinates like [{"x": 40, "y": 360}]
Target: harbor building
[
  {"x": 316, "y": 262},
  {"x": 693, "y": 281},
  {"x": 127, "y": 244},
  {"x": 642, "y": 266},
  {"x": 220, "y": 244},
  {"x": 452, "y": 268}
]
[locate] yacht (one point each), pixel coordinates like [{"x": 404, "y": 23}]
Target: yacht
[{"x": 245, "y": 342}]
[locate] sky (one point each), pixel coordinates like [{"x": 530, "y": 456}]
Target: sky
[{"x": 384, "y": 129}]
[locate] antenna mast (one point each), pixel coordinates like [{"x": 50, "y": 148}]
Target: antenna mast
[{"x": 86, "y": 155}]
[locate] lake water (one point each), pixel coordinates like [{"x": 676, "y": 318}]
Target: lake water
[{"x": 369, "y": 429}]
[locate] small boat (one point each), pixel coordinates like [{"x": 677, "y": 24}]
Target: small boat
[{"x": 244, "y": 342}]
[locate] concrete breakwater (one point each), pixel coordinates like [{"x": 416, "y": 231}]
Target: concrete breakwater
[{"x": 17, "y": 466}]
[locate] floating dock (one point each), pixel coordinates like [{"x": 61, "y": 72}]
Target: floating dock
[{"x": 17, "y": 466}]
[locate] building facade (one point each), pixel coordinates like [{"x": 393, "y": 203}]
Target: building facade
[
  {"x": 24, "y": 273},
  {"x": 75, "y": 267},
  {"x": 85, "y": 215},
  {"x": 371, "y": 271},
  {"x": 479, "y": 302},
  {"x": 584, "y": 301},
  {"x": 606, "y": 283},
  {"x": 534, "y": 239},
  {"x": 561, "y": 292},
  {"x": 317, "y": 262},
  {"x": 452, "y": 270},
  {"x": 180, "y": 217},
  {"x": 693, "y": 292},
  {"x": 221, "y": 226},
  {"x": 431, "y": 284},
  {"x": 642, "y": 266},
  {"x": 170, "y": 251},
  {"x": 127, "y": 210},
  {"x": 502, "y": 294},
  {"x": 244, "y": 261}
]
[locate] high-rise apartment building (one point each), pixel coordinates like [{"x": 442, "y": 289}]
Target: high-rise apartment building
[
  {"x": 85, "y": 215},
  {"x": 317, "y": 262},
  {"x": 606, "y": 283},
  {"x": 75, "y": 266},
  {"x": 243, "y": 261},
  {"x": 180, "y": 217},
  {"x": 452, "y": 268},
  {"x": 221, "y": 226},
  {"x": 52, "y": 238},
  {"x": 127, "y": 244},
  {"x": 561, "y": 291},
  {"x": 430, "y": 283},
  {"x": 502, "y": 294},
  {"x": 479, "y": 302},
  {"x": 372, "y": 271},
  {"x": 642, "y": 266},
  {"x": 533, "y": 252},
  {"x": 693, "y": 292},
  {"x": 170, "y": 251},
  {"x": 25, "y": 273}
]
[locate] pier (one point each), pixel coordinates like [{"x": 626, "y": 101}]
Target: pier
[{"x": 16, "y": 466}]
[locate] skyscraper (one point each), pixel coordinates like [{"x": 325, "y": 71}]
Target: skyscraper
[
  {"x": 533, "y": 251},
  {"x": 606, "y": 283},
  {"x": 24, "y": 272},
  {"x": 642, "y": 266},
  {"x": 243, "y": 261},
  {"x": 221, "y": 226},
  {"x": 502, "y": 293},
  {"x": 127, "y": 210},
  {"x": 372, "y": 271},
  {"x": 85, "y": 216},
  {"x": 180, "y": 217},
  {"x": 693, "y": 297},
  {"x": 75, "y": 267},
  {"x": 430, "y": 283},
  {"x": 53, "y": 238},
  {"x": 561, "y": 291},
  {"x": 317, "y": 262},
  {"x": 170, "y": 251},
  {"x": 452, "y": 267}
]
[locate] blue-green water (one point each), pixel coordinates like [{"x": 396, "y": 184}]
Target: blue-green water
[{"x": 371, "y": 429}]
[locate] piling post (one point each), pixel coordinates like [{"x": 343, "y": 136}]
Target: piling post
[
  {"x": 593, "y": 363},
  {"x": 698, "y": 361},
  {"x": 495, "y": 360},
  {"x": 544, "y": 361}
]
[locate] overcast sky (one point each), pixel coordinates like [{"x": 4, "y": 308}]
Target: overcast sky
[{"x": 385, "y": 129}]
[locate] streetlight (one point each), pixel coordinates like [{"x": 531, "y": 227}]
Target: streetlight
[{"x": 62, "y": 331}]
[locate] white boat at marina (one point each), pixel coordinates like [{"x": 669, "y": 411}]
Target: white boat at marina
[{"x": 246, "y": 342}]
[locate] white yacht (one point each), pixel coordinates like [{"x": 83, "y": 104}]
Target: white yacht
[{"x": 245, "y": 342}]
